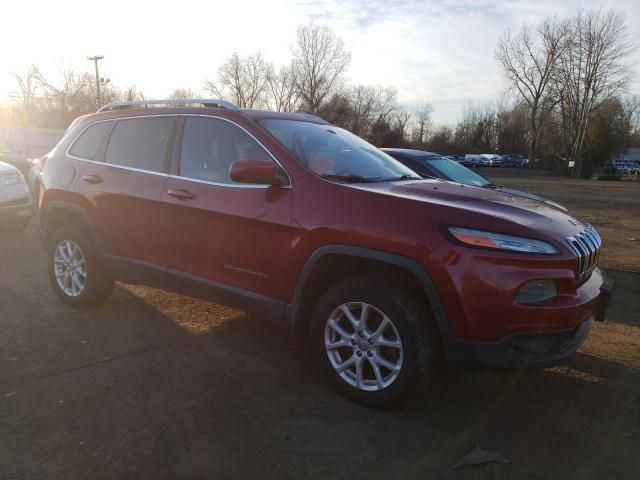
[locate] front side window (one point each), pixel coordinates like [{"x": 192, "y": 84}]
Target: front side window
[
  {"x": 211, "y": 145},
  {"x": 88, "y": 143},
  {"x": 336, "y": 154},
  {"x": 140, "y": 143}
]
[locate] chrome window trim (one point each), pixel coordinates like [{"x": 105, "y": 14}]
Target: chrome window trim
[{"x": 219, "y": 184}]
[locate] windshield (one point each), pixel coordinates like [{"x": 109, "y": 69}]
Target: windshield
[
  {"x": 336, "y": 154},
  {"x": 453, "y": 171}
]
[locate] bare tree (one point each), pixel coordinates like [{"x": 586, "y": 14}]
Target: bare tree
[
  {"x": 320, "y": 61},
  {"x": 400, "y": 118},
  {"x": 243, "y": 80},
  {"x": 282, "y": 90},
  {"x": 529, "y": 60},
  {"x": 28, "y": 86},
  {"x": 422, "y": 124},
  {"x": 593, "y": 70},
  {"x": 131, "y": 93},
  {"x": 631, "y": 115},
  {"x": 182, "y": 93},
  {"x": 74, "y": 95}
]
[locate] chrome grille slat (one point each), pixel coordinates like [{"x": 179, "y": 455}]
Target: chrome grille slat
[{"x": 586, "y": 246}]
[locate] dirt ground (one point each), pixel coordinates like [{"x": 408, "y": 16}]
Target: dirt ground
[{"x": 160, "y": 386}]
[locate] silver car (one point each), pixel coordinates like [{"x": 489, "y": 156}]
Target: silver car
[{"x": 16, "y": 201}]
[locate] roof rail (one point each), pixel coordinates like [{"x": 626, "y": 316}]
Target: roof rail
[{"x": 205, "y": 102}]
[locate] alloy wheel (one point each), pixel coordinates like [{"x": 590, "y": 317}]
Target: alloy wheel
[
  {"x": 70, "y": 268},
  {"x": 363, "y": 346}
]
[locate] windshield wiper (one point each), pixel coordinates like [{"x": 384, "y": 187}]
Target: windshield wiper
[
  {"x": 402, "y": 177},
  {"x": 350, "y": 178},
  {"x": 491, "y": 186}
]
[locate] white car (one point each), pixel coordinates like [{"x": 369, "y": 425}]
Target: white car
[{"x": 16, "y": 201}]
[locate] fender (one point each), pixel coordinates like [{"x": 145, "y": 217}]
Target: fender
[
  {"x": 400, "y": 261},
  {"x": 43, "y": 221}
]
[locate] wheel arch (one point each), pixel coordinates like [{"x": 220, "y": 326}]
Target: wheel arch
[
  {"x": 59, "y": 213},
  {"x": 343, "y": 257}
]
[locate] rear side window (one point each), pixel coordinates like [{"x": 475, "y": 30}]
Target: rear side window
[
  {"x": 89, "y": 141},
  {"x": 140, "y": 143}
]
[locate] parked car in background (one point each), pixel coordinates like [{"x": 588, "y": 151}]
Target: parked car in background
[
  {"x": 494, "y": 160},
  {"x": 462, "y": 160},
  {"x": 296, "y": 219},
  {"x": 16, "y": 202},
  {"x": 515, "y": 160},
  {"x": 476, "y": 160},
  {"x": 14, "y": 157},
  {"x": 432, "y": 165}
]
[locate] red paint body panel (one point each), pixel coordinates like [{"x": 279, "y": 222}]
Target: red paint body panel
[{"x": 259, "y": 239}]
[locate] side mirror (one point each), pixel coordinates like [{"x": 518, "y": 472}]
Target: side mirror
[{"x": 261, "y": 172}]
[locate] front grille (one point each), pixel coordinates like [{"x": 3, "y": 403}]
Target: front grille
[{"x": 586, "y": 246}]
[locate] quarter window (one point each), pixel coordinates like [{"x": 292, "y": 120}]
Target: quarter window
[
  {"x": 210, "y": 146},
  {"x": 140, "y": 143},
  {"x": 89, "y": 141}
]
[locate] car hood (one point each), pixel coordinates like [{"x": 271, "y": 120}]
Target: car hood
[
  {"x": 7, "y": 168},
  {"x": 538, "y": 198},
  {"x": 526, "y": 212}
]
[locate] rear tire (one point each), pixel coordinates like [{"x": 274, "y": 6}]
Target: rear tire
[
  {"x": 384, "y": 330},
  {"x": 75, "y": 269}
]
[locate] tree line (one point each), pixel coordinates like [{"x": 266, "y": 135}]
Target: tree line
[{"x": 567, "y": 83}]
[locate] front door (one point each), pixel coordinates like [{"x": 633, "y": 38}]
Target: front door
[{"x": 237, "y": 234}]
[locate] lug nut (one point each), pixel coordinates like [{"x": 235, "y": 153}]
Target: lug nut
[
  {"x": 369, "y": 354},
  {"x": 359, "y": 353},
  {"x": 353, "y": 342}
]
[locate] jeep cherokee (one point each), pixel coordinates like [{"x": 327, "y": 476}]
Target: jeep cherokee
[{"x": 290, "y": 217}]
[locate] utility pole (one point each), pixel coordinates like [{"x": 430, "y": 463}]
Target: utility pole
[{"x": 95, "y": 60}]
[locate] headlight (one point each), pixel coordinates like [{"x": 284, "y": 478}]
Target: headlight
[
  {"x": 499, "y": 241},
  {"x": 12, "y": 179}
]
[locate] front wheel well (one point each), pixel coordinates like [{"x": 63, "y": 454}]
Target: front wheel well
[{"x": 334, "y": 268}]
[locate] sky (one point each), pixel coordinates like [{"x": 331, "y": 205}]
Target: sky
[{"x": 437, "y": 52}]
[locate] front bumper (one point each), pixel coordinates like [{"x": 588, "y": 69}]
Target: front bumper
[
  {"x": 520, "y": 350},
  {"x": 530, "y": 349}
]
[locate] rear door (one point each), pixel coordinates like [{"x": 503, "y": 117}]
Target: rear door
[
  {"x": 124, "y": 186},
  {"x": 237, "y": 234}
]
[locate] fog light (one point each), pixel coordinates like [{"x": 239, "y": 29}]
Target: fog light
[{"x": 537, "y": 291}]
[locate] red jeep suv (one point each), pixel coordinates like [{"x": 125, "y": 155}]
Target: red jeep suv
[{"x": 290, "y": 217}]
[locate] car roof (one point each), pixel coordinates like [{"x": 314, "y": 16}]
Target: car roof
[
  {"x": 252, "y": 114},
  {"x": 410, "y": 151}
]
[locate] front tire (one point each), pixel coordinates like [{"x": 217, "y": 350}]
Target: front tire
[
  {"x": 75, "y": 269},
  {"x": 374, "y": 340}
]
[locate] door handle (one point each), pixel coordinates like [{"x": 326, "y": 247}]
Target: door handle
[
  {"x": 92, "y": 178},
  {"x": 181, "y": 194}
]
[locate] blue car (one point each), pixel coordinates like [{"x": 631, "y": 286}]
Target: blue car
[{"x": 432, "y": 165}]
